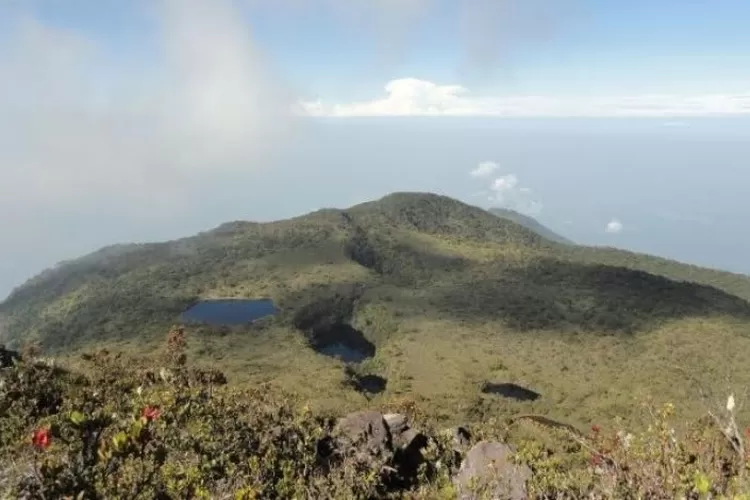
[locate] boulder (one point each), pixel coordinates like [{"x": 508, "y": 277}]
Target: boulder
[
  {"x": 365, "y": 431},
  {"x": 380, "y": 441},
  {"x": 488, "y": 472},
  {"x": 396, "y": 422},
  {"x": 408, "y": 444},
  {"x": 409, "y": 457},
  {"x": 410, "y": 439},
  {"x": 403, "y": 436}
]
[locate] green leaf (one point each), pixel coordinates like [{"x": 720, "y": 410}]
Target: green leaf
[
  {"x": 119, "y": 440},
  {"x": 702, "y": 483},
  {"x": 136, "y": 429},
  {"x": 77, "y": 417}
]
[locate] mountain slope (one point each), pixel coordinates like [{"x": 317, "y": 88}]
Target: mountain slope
[
  {"x": 530, "y": 223},
  {"x": 447, "y": 296}
]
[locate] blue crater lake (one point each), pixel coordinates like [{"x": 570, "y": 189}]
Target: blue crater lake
[{"x": 226, "y": 312}]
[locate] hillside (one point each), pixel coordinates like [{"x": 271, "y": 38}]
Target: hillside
[
  {"x": 530, "y": 223},
  {"x": 438, "y": 297}
]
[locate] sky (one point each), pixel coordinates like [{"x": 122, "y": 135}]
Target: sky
[{"x": 614, "y": 123}]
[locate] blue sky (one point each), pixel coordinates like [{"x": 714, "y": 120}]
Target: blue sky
[
  {"x": 148, "y": 120},
  {"x": 573, "y": 47}
]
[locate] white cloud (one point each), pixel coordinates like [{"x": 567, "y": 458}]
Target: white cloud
[
  {"x": 613, "y": 227},
  {"x": 415, "y": 97},
  {"x": 84, "y": 137},
  {"x": 505, "y": 190},
  {"x": 211, "y": 106},
  {"x": 485, "y": 169}
]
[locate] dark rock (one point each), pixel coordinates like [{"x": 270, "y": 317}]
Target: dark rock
[
  {"x": 325, "y": 447},
  {"x": 382, "y": 442},
  {"x": 8, "y": 357},
  {"x": 409, "y": 438},
  {"x": 461, "y": 438},
  {"x": 364, "y": 430},
  {"x": 487, "y": 469},
  {"x": 408, "y": 444},
  {"x": 408, "y": 456},
  {"x": 460, "y": 442}
]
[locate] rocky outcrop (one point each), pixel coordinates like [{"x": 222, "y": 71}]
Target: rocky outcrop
[
  {"x": 379, "y": 441},
  {"x": 389, "y": 444},
  {"x": 366, "y": 432}
]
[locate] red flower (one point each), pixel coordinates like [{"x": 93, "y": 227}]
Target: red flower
[
  {"x": 41, "y": 438},
  {"x": 595, "y": 429},
  {"x": 597, "y": 459},
  {"x": 150, "y": 413}
]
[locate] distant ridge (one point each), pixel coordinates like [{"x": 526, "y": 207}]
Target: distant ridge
[{"x": 530, "y": 223}]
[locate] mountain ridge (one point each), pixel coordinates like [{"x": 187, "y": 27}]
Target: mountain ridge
[
  {"x": 530, "y": 223},
  {"x": 414, "y": 276}
]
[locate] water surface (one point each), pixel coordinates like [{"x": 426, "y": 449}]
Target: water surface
[{"x": 225, "y": 312}]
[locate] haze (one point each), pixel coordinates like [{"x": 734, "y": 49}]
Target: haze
[{"x": 614, "y": 123}]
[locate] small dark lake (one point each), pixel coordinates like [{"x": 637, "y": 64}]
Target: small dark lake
[
  {"x": 512, "y": 391},
  {"x": 370, "y": 384},
  {"x": 225, "y": 312},
  {"x": 343, "y": 342},
  {"x": 367, "y": 384},
  {"x": 344, "y": 352}
]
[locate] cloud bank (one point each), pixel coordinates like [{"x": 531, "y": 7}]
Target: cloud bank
[{"x": 415, "y": 97}]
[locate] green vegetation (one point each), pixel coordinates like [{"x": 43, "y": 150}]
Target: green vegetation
[
  {"x": 451, "y": 296},
  {"x": 157, "y": 427},
  {"x": 530, "y": 223}
]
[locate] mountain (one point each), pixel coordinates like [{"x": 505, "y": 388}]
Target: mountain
[
  {"x": 530, "y": 223},
  {"x": 435, "y": 298}
]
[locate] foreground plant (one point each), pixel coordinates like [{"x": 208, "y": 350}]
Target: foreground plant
[
  {"x": 705, "y": 461},
  {"x": 120, "y": 429},
  {"x": 130, "y": 433}
]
